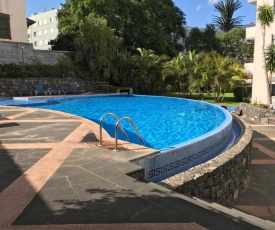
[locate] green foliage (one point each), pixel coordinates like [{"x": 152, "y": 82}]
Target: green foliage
[
  {"x": 189, "y": 73},
  {"x": 29, "y": 71},
  {"x": 95, "y": 49},
  {"x": 239, "y": 93},
  {"x": 235, "y": 45},
  {"x": 146, "y": 72},
  {"x": 202, "y": 40},
  {"x": 63, "y": 42},
  {"x": 270, "y": 61},
  {"x": 155, "y": 25},
  {"x": 247, "y": 99},
  {"x": 175, "y": 73},
  {"x": 242, "y": 93},
  {"x": 265, "y": 15},
  {"x": 226, "y": 9}
]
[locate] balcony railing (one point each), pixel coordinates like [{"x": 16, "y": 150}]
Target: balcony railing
[{"x": 250, "y": 60}]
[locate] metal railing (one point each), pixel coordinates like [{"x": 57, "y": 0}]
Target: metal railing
[
  {"x": 116, "y": 130},
  {"x": 100, "y": 127}
]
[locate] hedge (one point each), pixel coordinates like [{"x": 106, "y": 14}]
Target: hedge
[
  {"x": 241, "y": 92},
  {"x": 29, "y": 71}
]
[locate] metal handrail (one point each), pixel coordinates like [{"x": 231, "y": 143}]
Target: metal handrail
[
  {"x": 100, "y": 127},
  {"x": 116, "y": 130}
]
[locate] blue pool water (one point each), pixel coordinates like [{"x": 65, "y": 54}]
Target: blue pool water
[{"x": 163, "y": 122}]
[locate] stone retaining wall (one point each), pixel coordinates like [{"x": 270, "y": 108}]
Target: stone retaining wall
[
  {"x": 257, "y": 114},
  {"x": 9, "y": 87},
  {"x": 220, "y": 179}
]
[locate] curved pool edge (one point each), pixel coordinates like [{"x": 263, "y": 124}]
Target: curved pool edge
[
  {"x": 194, "y": 152},
  {"x": 220, "y": 179}
]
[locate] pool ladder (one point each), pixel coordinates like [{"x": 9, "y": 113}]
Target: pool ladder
[{"x": 116, "y": 129}]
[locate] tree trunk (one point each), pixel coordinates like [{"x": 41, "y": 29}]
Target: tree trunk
[{"x": 266, "y": 73}]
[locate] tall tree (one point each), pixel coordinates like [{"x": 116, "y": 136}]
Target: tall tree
[
  {"x": 154, "y": 24},
  {"x": 265, "y": 16},
  {"x": 270, "y": 63},
  {"x": 96, "y": 48},
  {"x": 176, "y": 73},
  {"x": 226, "y": 9},
  {"x": 222, "y": 73},
  {"x": 235, "y": 45},
  {"x": 199, "y": 40}
]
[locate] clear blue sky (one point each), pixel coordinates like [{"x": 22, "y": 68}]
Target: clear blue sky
[{"x": 198, "y": 12}]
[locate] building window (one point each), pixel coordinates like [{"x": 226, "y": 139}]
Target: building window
[
  {"x": 35, "y": 43},
  {"x": 39, "y": 32},
  {"x": 45, "y": 21},
  {"x": 40, "y": 43},
  {"x": 46, "y": 42},
  {"x": 273, "y": 38},
  {"x": 51, "y": 30},
  {"x": 34, "y": 34},
  {"x": 5, "y": 26}
]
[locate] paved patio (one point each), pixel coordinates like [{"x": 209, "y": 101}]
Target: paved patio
[{"x": 53, "y": 175}]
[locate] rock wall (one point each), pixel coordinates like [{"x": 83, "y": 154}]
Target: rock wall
[
  {"x": 24, "y": 53},
  {"x": 257, "y": 114},
  {"x": 220, "y": 179},
  {"x": 9, "y": 87}
]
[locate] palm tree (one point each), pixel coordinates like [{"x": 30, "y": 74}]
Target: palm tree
[
  {"x": 148, "y": 71},
  {"x": 270, "y": 63},
  {"x": 265, "y": 17},
  {"x": 176, "y": 71},
  {"x": 225, "y": 21},
  {"x": 222, "y": 73}
]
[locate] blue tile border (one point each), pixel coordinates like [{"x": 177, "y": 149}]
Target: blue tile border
[{"x": 184, "y": 156}]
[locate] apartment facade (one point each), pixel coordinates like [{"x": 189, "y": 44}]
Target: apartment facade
[
  {"x": 259, "y": 84},
  {"x": 43, "y": 30},
  {"x": 13, "y": 24}
]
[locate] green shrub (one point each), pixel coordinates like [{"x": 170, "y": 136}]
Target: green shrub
[
  {"x": 29, "y": 71},
  {"x": 239, "y": 93},
  {"x": 247, "y": 100}
]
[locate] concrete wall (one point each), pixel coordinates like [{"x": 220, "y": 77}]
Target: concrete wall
[
  {"x": 18, "y": 24},
  {"x": 16, "y": 52},
  {"x": 220, "y": 179},
  {"x": 260, "y": 92}
]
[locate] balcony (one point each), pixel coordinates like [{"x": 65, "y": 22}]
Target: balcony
[
  {"x": 254, "y": 2},
  {"x": 250, "y": 32}
]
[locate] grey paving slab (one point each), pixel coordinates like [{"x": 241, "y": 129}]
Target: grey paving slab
[
  {"x": 9, "y": 113},
  {"x": 14, "y": 162},
  {"x": 42, "y": 115},
  {"x": 76, "y": 194},
  {"x": 258, "y": 155},
  {"x": 49, "y": 132},
  {"x": 260, "y": 189}
]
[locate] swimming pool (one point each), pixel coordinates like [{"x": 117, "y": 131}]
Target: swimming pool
[
  {"x": 186, "y": 132},
  {"x": 162, "y": 122}
]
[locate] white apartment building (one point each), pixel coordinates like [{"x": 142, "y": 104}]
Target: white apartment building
[
  {"x": 43, "y": 30},
  {"x": 255, "y": 33}
]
